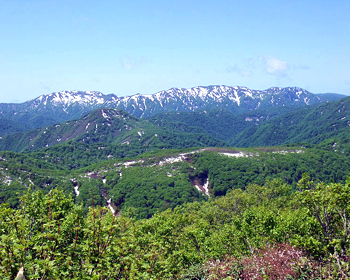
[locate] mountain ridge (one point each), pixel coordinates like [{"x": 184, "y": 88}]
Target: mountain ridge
[
  {"x": 313, "y": 125},
  {"x": 104, "y": 125},
  {"x": 66, "y": 105}
]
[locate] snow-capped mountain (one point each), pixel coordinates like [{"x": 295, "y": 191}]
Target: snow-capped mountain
[
  {"x": 67, "y": 105},
  {"x": 235, "y": 99}
]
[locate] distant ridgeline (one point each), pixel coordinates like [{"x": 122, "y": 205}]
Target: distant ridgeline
[
  {"x": 62, "y": 106},
  {"x": 201, "y": 116}
]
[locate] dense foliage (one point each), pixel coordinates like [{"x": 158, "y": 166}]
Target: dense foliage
[
  {"x": 106, "y": 126},
  {"x": 267, "y": 231},
  {"x": 313, "y": 125},
  {"x": 220, "y": 124},
  {"x": 152, "y": 182},
  {"x": 260, "y": 164}
]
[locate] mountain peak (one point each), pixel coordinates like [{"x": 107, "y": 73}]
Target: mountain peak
[{"x": 67, "y": 105}]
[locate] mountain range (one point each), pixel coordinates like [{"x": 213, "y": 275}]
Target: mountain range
[
  {"x": 200, "y": 116},
  {"x": 62, "y": 106}
]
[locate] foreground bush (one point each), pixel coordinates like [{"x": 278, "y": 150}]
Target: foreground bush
[{"x": 262, "y": 232}]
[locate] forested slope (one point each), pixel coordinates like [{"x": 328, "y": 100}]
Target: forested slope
[
  {"x": 314, "y": 125},
  {"x": 152, "y": 182},
  {"x": 263, "y": 232},
  {"x": 106, "y": 126}
]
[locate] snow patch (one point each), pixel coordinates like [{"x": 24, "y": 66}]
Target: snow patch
[
  {"x": 109, "y": 201},
  {"x": 105, "y": 115},
  {"x": 180, "y": 158},
  {"x": 284, "y": 152},
  {"x": 130, "y": 163},
  {"x": 76, "y": 190},
  {"x": 235, "y": 154},
  {"x": 206, "y": 188},
  {"x": 203, "y": 189}
]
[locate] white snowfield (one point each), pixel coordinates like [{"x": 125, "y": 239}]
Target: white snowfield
[
  {"x": 236, "y": 154},
  {"x": 192, "y": 98}
]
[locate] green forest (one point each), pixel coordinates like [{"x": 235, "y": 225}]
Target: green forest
[
  {"x": 271, "y": 213},
  {"x": 150, "y": 182},
  {"x": 269, "y": 231}
]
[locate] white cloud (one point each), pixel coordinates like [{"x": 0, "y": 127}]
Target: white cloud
[
  {"x": 276, "y": 67},
  {"x": 269, "y": 65}
]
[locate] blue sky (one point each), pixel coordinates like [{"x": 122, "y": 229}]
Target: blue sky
[{"x": 132, "y": 46}]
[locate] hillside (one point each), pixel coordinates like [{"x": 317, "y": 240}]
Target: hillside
[
  {"x": 177, "y": 214},
  {"x": 218, "y": 123},
  {"x": 105, "y": 126},
  {"x": 312, "y": 125},
  {"x": 263, "y": 232},
  {"x": 156, "y": 181}
]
